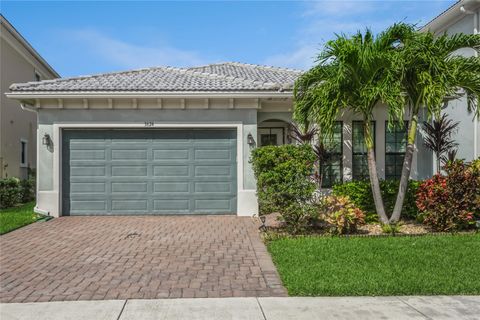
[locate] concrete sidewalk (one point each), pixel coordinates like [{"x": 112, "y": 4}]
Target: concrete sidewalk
[{"x": 411, "y": 307}]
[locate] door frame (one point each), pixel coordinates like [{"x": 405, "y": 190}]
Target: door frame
[{"x": 58, "y": 138}]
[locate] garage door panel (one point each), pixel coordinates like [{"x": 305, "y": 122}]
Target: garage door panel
[
  {"x": 169, "y": 187},
  {"x": 171, "y": 171},
  {"x": 170, "y": 153},
  {"x": 87, "y": 171},
  {"x": 120, "y": 187},
  {"x": 140, "y": 205},
  {"x": 129, "y": 171},
  {"x": 149, "y": 172},
  {"x": 131, "y": 154},
  {"x": 87, "y": 187}
]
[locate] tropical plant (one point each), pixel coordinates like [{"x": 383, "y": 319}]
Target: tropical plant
[
  {"x": 431, "y": 74},
  {"x": 341, "y": 214},
  {"x": 451, "y": 202},
  {"x": 439, "y": 137},
  {"x": 353, "y": 73},
  {"x": 302, "y": 133}
]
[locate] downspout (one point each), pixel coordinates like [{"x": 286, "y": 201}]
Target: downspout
[{"x": 476, "y": 30}]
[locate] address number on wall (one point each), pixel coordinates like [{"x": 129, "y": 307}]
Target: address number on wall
[{"x": 149, "y": 124}]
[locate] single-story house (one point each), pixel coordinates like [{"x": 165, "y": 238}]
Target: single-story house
[{"x": 178, "y": 141}]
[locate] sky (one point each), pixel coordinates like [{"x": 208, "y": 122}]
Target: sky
[{"x": 89, "y": 37}]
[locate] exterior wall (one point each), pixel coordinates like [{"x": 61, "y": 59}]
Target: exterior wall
[
  {"x": 17, "y": 64},
  {"x": 52, "y": 121},
  {"x": 468, "y": 134}
]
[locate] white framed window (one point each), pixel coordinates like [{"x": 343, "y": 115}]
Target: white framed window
[{"x": 23, "y": 153}]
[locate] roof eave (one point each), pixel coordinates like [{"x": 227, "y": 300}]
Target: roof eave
[
  {"x": 449, "y": 16},
  {"x": 23, "y": 95}
]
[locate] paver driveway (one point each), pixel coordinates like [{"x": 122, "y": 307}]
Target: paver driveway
[{"x": 89, "y": 258}]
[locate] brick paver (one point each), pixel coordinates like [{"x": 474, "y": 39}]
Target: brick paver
[{"x": 91, "y": 258}]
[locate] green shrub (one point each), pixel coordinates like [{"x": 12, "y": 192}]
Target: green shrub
[
  {"x": 360, "y": 193},
  {"x": 10, "y": 192},
  {"x": 451, "y": 202},
  {"x": 340, "y": 214},
  {"x": 284, "y": 183}
]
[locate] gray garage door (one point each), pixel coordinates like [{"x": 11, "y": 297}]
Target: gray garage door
[{"x": 114, "y": 172}]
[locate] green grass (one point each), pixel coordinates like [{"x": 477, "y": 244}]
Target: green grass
[
  {"x": 428, "y": 265},
  {"x": 16, "y": 217}
]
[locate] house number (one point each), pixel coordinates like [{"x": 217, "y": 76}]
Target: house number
[{"x": 149, "y": 124}]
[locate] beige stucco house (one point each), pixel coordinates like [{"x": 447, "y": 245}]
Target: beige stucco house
[{"x": 19, "y": 62}]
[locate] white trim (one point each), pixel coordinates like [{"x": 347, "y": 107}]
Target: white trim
[
  {"x": 57, "y": 154},
  {"x": 24, "y": 164},
  {"x": 152, "y": 94}
]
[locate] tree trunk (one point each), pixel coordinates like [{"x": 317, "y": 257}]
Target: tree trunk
[
  {"x": 407, "y": 167},
  {"x": 372, "y": 170}
]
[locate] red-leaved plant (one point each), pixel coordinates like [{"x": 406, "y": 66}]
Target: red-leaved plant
[{"x": 451, "y": 202}]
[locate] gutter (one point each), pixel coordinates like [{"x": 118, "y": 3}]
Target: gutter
[
  {"x": 455, "y": 12},
  {"x": 152, "y": 94}
]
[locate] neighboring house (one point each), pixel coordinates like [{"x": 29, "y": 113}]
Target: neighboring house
[
  {"x": 19, "y": 62},
  {"x": 462, "y": 17}
]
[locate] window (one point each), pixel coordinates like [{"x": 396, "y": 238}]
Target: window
[
  {"x": 23, "y": 153},
  {"x": 359, "y": 150},
  {"x": 333, "y": 166},
  {"x": 38, "y": 77},
  {"x": 273, "y": 136},
  {"x": 395, "y": 147}
]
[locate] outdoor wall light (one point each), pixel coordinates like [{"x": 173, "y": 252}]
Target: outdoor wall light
[
  {"x": 46, "y": 140},
  {"x": 250, "y": 140}
]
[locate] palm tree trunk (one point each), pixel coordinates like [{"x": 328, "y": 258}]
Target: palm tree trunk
[
  {"x": 372, "y": 170},
  {"x": 407, "y": 167}
]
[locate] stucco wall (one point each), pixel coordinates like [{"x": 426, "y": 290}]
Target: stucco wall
[
  {"x": 468, "y": 134},
  {"x": 49, "y": 120},
  {"x": 16, "y": 65}
]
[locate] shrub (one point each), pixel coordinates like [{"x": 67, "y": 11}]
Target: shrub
[
  {"x": 284, "y": 182},
  {"x": 451, "y": 202},
  {"x": 360, "y": 193},
  {"x": 27, "y": 190},
  {"x": 341, "y": 214},
  {"x": 10, "y": 192}
]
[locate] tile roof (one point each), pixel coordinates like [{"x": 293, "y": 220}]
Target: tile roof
[{"x": 215, "y": 77}]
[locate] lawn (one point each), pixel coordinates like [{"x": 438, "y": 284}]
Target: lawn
[
  {"x": 16, "y": 217},
  {"x": 333, "y": 266}
]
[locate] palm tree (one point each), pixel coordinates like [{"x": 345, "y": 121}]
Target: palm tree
[
  {"x": 432, "y": 73},
  {"x": 439, "y": 137},
  {"x": 353, "y": 73}
]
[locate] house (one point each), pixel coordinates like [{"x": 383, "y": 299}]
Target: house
[
  {"x": 178, "y": 141},
  {"x": 19, "y": 62},
  {"x": 462, "y": 17},
  {"x": 171, "y": 140}
]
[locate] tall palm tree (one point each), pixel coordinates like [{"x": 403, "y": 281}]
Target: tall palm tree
[
  {"x": 354, "y": 73},
  {"x": 431, "y": 73}
]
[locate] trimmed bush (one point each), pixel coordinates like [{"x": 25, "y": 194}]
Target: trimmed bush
[
  {"x": 285, "y": 184},
  {"x": 360, "y": 193},
  {"x": 340, "y": 214},
  {"x": 451, "y": 202},
  {"x": 10, "y": 192}
]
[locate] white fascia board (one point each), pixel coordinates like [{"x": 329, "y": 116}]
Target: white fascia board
[{"x": 153, "y": 94}]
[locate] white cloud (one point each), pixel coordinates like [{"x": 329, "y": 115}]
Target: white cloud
[
  {"x": 324, "y": 19},
  {"x": 302, "y": 57},
  {"x": 127, "y": 55}
]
